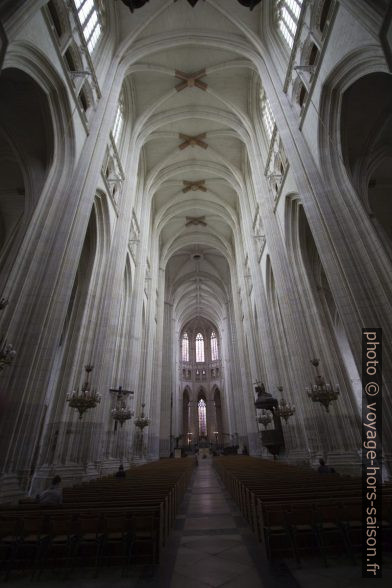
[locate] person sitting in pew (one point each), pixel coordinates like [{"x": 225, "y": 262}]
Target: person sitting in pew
[
  {"x": 120, "y": 473},
  {"x": 323, "y": 468},
  {"x": 53, "y": 495}
]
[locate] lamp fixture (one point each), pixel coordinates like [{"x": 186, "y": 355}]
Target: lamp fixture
[
  {"x": 320, "y": 391},
  {"x": 7, "y": 352},
  {"x": 121, "y": 413},
  {"x": 134, "y": 4},
  {"x": 86, "y": 398},
  {"x": 284, "y": 409},
  {"x": 142, "y": 421}
]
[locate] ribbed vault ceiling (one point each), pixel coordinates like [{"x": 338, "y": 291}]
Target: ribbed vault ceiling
[{"x": 191, "y": 113}]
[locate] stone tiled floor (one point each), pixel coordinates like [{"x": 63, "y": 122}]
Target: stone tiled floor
[
  {"x": 211, "y": 549},
  {"x": 211, "y": 546},
  {"x": 339, "y": 575}
]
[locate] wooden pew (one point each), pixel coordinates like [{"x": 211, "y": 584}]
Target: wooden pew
[{"x": 104, "y": 518}]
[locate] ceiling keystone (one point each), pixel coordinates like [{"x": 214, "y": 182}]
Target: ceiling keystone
[
  {"x": 195, "y": 220},
  {"x": 192, "y": 141},
  {"x": 190, "y": 80},
  {"x": 133, "y": 4},
  {"x": 194, "y": 186}
]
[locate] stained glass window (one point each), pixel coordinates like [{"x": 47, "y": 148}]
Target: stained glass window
[
  {"x": 202, "y": 408},
  {"x": 90, "y": 19},
  {"x": 185, "y": 347},
  {"x": 214, "y": 347},
  {"x": 199, "y": 347}
]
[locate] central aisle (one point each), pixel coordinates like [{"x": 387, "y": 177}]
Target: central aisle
[
  {"x": 215, "y": 546},
  {"x": 212, "y": 551}
]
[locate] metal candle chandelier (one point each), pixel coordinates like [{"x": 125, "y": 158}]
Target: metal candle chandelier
[
  {"x": 134, "y": 4},
  {"x": 320, "y": 391},
  {"x": 121, "y": 413},
  {"x": 7, "y": 352},
  {"x": 284, "y": 409},
  {"x": 85, "y": 398}
]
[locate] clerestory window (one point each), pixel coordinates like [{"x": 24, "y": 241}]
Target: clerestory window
[
  {"x": 90, "y": 20},
  {"x": 267, "y": 116},
  {"x": 214, "y": 347},
  {"x": 288, "y": 14},
  {"x": 119, "y": 123}
]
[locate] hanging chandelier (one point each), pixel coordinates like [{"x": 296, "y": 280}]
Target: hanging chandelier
[
  {"x": 142, "y": 421},
  {"x": 284, "y": 409},
  {"x": 320, "y": 391},
  {"x": 86, "y": 398},
  {"x": 121, "y": 413},
  {"x": 134, "y": 4},
  {"x": 7, "y": 352},
  {"x": 264, "y": 418}
]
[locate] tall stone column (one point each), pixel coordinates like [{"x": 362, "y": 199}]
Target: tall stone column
[
  {"x": 211, "y": 419},
  {"x": 193, "y": 421},
  {"x": 166, "y": 383}
]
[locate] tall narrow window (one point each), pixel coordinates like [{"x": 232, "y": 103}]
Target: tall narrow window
[
  {"x": 267, "y": 116},
  {"x": 185, "y": 347},
  {"x": 199, "y": 347},
  {"x": 202, "y": 408},
  {"x": 288, "y": 14},
  {"x": 90, "y": 19},
  {"x": 118, "y": 123},
  {"x": 55, "y": 18},
  {"x": 214, "y": 347}
]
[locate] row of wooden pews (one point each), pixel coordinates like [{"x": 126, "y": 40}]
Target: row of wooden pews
[
  {"x": 295, "y": 511},
  {"x": 110, "y": 520}
]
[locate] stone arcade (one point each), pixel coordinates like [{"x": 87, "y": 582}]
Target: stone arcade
[{"x": 195, "y": 197}]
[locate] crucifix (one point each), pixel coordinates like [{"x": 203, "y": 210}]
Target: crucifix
[
  {"x": 120, "y": 413},
  {"x": 194, "y": 186},
  {"x": 190, "y": 80},
  {"x": 120, "y": 392},
  {"x": 192, "y": 141}
]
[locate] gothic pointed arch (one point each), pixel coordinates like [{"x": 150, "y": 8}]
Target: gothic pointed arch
[{"x": 24, "y": 163}]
